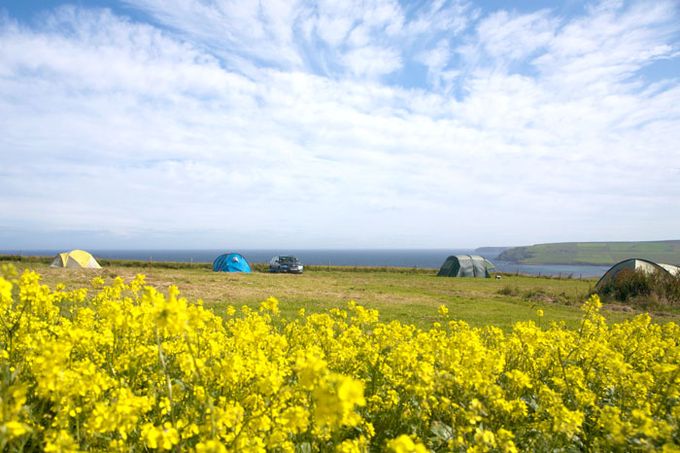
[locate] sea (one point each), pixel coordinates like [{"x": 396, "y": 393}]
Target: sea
[{"x": 408, "y": 258}]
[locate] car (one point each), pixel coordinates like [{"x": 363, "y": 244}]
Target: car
[{"x": 288, "y": 264}]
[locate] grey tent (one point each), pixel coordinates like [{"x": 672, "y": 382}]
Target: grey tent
[
  {"x": 465, "y": 266},
  {"x": 636, "y": 264}
]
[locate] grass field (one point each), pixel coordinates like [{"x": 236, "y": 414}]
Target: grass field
[
  {"x": 600, "y": 253},
  {"x": 411, "y": 297}
]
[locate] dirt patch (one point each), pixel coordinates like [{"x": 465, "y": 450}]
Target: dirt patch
[{"x": 621, "y": 308}]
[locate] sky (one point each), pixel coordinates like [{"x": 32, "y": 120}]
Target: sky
[{"x": 337, "y": 124}]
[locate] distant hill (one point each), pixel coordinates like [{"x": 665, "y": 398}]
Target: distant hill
[
  {"x": 599, "y": 253},
  {"x": 491, "y": 250}
]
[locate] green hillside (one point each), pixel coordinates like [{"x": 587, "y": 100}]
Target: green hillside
[{"x": 603, "y": 253}]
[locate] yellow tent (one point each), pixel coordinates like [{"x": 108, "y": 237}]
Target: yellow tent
[{"x": 75, "y": 258}]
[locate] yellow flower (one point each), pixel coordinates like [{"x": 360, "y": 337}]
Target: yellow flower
[
  {"x": 271, "y": 305},
  {"x": 211, "y": 446},
  {"x": 404, "y": 444},
  {"x": 13, "y": 429},
  {"x": 162, "y": 438},
  {"x": 351, "y": 392}
]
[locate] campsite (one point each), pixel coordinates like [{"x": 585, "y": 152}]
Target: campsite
[
  {"x": 328, "y": 226},
  {"x": 407, "y": 295}
]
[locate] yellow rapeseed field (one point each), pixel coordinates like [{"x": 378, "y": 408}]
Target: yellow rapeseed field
[{"x": 126, "y": 367}]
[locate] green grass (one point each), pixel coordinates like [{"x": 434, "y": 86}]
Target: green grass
[
  {"x": 407, "y": 296},
  {"x": 600, "y": 253}
]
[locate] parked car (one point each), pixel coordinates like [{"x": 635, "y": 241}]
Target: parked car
[{"x": 288, "y": 264}]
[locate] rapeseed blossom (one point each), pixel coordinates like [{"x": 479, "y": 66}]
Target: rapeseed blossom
[{"x": 128, "y": 367}]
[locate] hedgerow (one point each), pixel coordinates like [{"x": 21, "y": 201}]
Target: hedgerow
[{"x": 643, "y": 289}]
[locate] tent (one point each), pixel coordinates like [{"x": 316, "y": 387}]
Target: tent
[
  {"x": 636, "y": 264},
  {"x": 75, "y": 258},
  {"x": 231, "y": 262},
  {"x": 465, "y": 266}
]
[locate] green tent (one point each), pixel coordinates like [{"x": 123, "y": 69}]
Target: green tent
[{"x": 465, "y": 266}]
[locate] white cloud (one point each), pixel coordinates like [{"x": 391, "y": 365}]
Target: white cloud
[
  {"x": 109, "y": 124},
  {"x": 284, "y": 34},
  {"x": 372, "y": 61},
  {"x": 599, "y": 51},
  {"x": 233, "y": 28},
  {"x": 508, "y": 37},
  {"x": 452, "y": 17}
]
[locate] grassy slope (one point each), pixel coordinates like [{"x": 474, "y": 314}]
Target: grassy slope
[
  {"x": 603, "y": 253},
  {"x": 407, "y": 297}
]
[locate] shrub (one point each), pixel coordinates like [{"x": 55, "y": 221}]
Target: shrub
[
  {"x": 643, "y": 289},
  {"x": 508, "y": 290}
]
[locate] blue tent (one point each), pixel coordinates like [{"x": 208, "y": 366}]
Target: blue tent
[{"x": 231, "y": 262}]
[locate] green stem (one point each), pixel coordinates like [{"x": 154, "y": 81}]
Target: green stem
[{"x": 161, "y": 358}]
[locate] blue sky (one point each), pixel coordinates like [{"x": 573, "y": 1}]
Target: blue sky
[{"x": 362, "y": 124}]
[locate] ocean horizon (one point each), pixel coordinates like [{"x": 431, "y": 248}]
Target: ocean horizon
[{"x": 406, "y": 258}]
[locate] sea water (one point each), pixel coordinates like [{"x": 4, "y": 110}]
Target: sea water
[{"x": 409, "y": 258}]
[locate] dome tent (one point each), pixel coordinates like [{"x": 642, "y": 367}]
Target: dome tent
[
  {"x": 231, "y": 262},
  {"x": 636, "y": 264},
  {"x": 75, "y": 259},
  {"x": 465, "y": 266}
]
